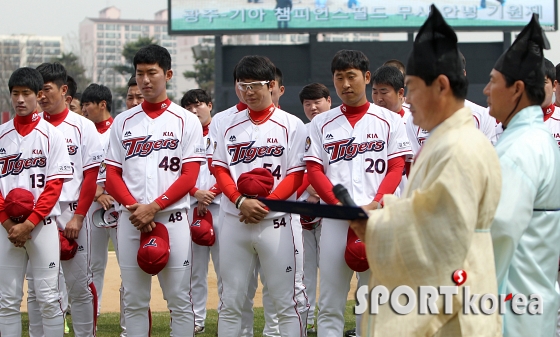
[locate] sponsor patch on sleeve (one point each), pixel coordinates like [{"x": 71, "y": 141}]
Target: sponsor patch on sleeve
[
  {"x": 403, "y": 144},
  {"x": 199, "y": 149}
]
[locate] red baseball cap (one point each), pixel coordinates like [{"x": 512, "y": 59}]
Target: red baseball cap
[
  {"x": 355, "y": 253},
  {"x": 258, "y": 182},
  {"x": 202, "y": 229},
  {"x": 153, "y": 252},
  {"x": 19, "y": 204},
  {"x": 68, "y": 247}
]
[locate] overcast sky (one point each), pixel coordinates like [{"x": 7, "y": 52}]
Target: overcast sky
[{"x": 63, "y": 17}]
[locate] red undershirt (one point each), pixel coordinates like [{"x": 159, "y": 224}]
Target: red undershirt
[
  {"x": 103, "y": 126},
  {"x": 49, "y": 197},
  {"x": 547, "y": 112},
  {"x": 57, "y": 119},
  {"x": 117, "y": 188},
  {"x": 260, "y": 117},
  {"x": 401, "y": 113},
  {"x": 241, "y": 106},
  {"x": 354, "y": 113},
  {"x": 153, "y": 110}
]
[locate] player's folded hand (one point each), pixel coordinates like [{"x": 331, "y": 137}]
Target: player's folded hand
[
  {"x": 204, "y": 197},
  {"x": 372, "y": 206},
  {"x": 201, "y": 209},
  {"x": 73, "y": 227},
  {"x": 148, "y": 228},
  {"x": 8, "y": 224},
  {"x": 142, "y": 214},
  {"x": 359, "y": 227},
  {"x": 252, "y": 211},
  {"x": 106, "y": 201},
  {"x": 20, "y": 233}
]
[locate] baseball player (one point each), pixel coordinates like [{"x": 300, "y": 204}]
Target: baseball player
[
  {"x": 358, "y": 145},
  {"x": 278, "y": 90},
  {"x": 482, "y": 120},
  {"x": 204, "y": 199},
  {"x": 387, "y": 84},
  {"x": 550, "y": 112},
  {"x": 247, "y": 310},
  {"x": 315, "y": 99},
  {"x": 77, "y": 195},
  {"x": 262, "y": 136},
  {"x": 97, "y": 101},
  {"x": 134, "y": 96},
  {"x": 33, "y": 156},
  {"x": 154, "y": 156}
]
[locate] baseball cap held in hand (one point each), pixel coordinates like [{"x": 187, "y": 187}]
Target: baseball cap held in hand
[
  {"x": 355, "y": 254},
  {"x": 202, "y": 229},
  {"x": 19, "y": 204},
  {"x": 153, "y": 252}
]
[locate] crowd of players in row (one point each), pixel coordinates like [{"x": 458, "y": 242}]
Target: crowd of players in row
[{"x": 163, "y": 172}]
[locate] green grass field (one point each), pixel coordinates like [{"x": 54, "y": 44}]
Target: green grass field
[{"x": 108, "y": 324}]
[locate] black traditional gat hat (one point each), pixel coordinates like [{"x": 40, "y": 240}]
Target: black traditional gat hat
[
  {"x": 435, "y": 49},
  {"x": 524, "y": 59}
]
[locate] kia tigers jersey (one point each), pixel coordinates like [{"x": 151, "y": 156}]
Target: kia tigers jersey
[
  {"x": 30, "y": 162},
  {"x": 213, "y": 131},
  {"x": 357, "y": 157},
  {"x": 84, "y": 149},
  {"x": 553, "y": 124},
  {"x": 276, "y": 145},
  {"x": 151, "y": 152},
  {"x": 205, "y": 179},
  {"x": 104, "y": 139},
  {"x": 482, "y": 120}
]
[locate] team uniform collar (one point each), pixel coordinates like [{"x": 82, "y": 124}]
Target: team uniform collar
[
  {"x": 153, "y": 110},
  {"x": 103, "y": 126},
  {"x": 57, "y": 119}
]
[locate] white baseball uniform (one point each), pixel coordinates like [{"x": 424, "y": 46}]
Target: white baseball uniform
[
  {"x": 201, "y": 254},
  {"x": 150, "y": 153},
  {"x": 355, "y": 157},
  {"x": 247, "y": 310},
  {"x": 553, "y": 124},
  {"x": 482, "y": 120},
  {"x": 277, "y": 145},
  {"x": 311, "y": 240},
  {"x": 85, "y": 152},
  {"x": 29, "y": 162},
  {"x": 100, "y": 235}
]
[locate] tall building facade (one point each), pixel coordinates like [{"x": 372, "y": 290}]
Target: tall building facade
[
  {"x": 23, "y": 51},
  {"x": 102, "y": 40}
]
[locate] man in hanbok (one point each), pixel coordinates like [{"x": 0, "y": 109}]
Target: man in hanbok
[
  {"x": 526, "y": 227},
  {"x": 442, "y": 222}
]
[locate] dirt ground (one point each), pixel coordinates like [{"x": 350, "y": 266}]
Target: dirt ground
[{"x": 110, "y": 301}]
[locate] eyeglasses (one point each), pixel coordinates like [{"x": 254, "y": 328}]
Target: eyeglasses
[{"x": 253, "y": 86}]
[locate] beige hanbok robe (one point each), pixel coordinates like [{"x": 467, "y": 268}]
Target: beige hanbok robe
[{"x": 440, "y": 224}]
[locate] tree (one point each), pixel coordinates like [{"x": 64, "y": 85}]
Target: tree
[
  {"x": 129, "y": 50},
  {"x": 203, "y": 72},
  {"x": 74, "y": 68}
]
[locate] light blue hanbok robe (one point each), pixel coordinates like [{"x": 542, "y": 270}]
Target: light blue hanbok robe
[{"x": 526, "y": 227}]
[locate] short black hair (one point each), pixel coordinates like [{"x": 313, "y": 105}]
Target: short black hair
[
  {"x": 78, "y": 96},
  {"x": 194, "y": 96},
  {"x": 314, "y": 91},
  {"x": 388, "y": 75},
  {"x": 255, "y": 67},
  {"x": 549, "y": 70},
  {"x": 348, "y": 59},
  {"x": 153, "y": 54},
  {"x": 53, "y": 72},
  {"x": 397, "y": 64},
  {"x": 26, "y": 77},
  {"x": 96, "y": 93},
  {"x": 278, "y": 77},
  {"x": 463, "y": 60},
  {"x": 557, "y": 71},
  {"x": 72, "y": 86},
  {"x": 132, "y": 81},
  {"x": 535, "y": 93}
]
